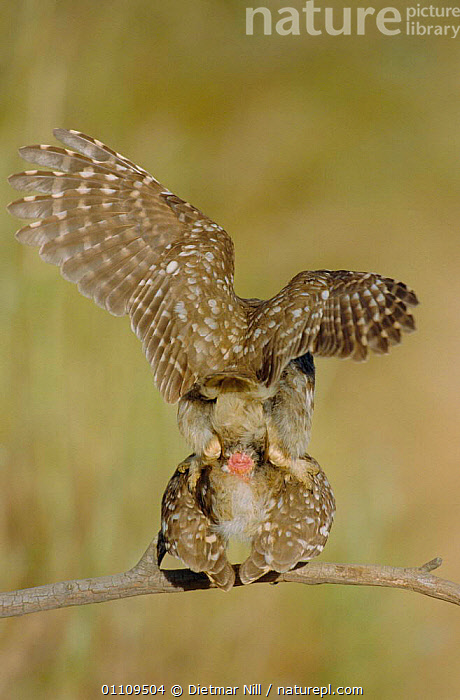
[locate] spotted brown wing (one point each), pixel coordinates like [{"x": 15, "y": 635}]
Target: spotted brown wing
[
  {"x": 188, "y": 533},
  {"x": 295, "y": 529},
  {"x": 330, "y": 313},
  {"x": 137, "y": 249}
]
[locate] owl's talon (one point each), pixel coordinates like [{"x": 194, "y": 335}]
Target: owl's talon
[
  {"x": 194, "y": 473},
  {"x": 185, "y": 464},
  {"x": 277, "y": 457},
  {"x": 213, "y": 450},
  {"x": 304, "y": 470},
  {"x": 301, "y": 469},
  {"x": 193, "y": 466}
]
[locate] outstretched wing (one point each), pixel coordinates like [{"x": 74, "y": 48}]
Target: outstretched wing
[
  {"x": 137, "y": 249},
  {"x": 341, "y": 314}
]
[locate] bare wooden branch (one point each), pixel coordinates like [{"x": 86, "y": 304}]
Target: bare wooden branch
[{"x": 146, "y": 578}]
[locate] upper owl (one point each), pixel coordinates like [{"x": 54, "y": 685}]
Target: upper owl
[{"x": 138, "y": 249}]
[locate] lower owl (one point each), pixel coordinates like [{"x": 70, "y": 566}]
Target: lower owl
[{"x": 285, "y": 521}]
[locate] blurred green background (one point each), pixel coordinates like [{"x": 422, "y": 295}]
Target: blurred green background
[{"x": 339, "y": 152}]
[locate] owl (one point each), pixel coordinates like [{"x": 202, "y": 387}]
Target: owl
[
  {"x": 241, "y": 369},
  {"x": 285, "y": 521}
]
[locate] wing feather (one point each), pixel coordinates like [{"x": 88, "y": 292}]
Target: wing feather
[
  {"x": 330, "y": 313},
  {"x": 135, "y": 248}
]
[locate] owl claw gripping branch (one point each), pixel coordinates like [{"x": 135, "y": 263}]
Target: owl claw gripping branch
[{"x": 241, "y": 369}]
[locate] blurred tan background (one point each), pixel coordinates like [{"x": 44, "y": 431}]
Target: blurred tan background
[{"x": 313, "y": 152}]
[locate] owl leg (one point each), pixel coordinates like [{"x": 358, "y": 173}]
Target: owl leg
[
  {"x": 212, "y": 449},
  {"x": 295, "y": 529},
  {"x": 194, "y": 418},
  {"x": 301, "y": 469},
  {"x": 192, "y": 466},
  {"x": 188, "y": 533}
]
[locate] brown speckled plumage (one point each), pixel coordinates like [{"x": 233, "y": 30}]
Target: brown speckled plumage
[
  {"x": 285, "y": 521},
  {"x": 241, "y": 369},
  {"x": 137, "y": 249}
]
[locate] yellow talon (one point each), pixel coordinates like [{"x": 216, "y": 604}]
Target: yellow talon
[{"x": 213, "y": 449}]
